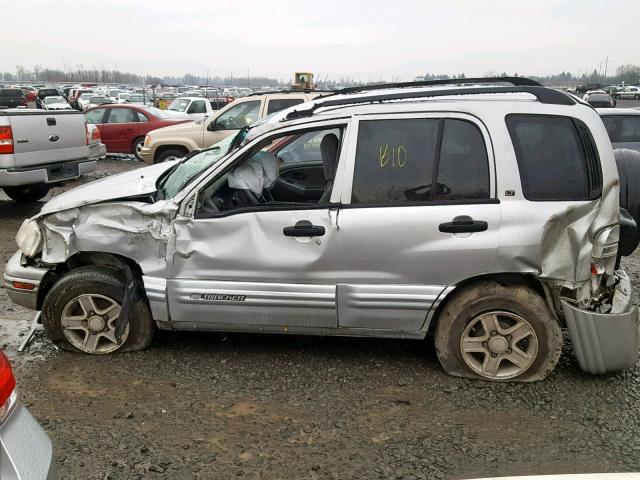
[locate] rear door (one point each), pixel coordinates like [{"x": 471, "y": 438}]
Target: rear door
[
  {"x": 120, "y": 129},
  {"x": 419, "y": 214}
]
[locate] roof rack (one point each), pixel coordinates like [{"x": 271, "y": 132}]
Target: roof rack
[
  {"x": 543, "y": 94},
  {"x": 515, "y": 81},
  {"x": 306, "y": 90}
]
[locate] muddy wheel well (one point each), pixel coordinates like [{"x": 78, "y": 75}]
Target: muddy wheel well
[
  {"x": 504, "y": 279},
  {"x": 83, "y": 259}
]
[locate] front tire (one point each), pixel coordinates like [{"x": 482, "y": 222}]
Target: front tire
[
  {"x": 500, "y": 333},
  {"x": 171, "y": 154},
  {"x": 80, "y": 311},
  {"x": 27, "y": 193}
]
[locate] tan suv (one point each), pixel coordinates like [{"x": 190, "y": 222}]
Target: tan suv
[{"x": 176, "y": 141}]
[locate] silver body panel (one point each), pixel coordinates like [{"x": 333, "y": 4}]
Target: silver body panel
[
  {"x": 34, "y": 132},
  {"x": 25, "y": 449},
  {"x": 286, "y": 280}
]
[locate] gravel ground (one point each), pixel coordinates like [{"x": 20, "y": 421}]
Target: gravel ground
[{"x": 209, "y": 405}]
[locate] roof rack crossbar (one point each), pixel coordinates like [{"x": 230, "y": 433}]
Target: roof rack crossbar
[
  {"x": 515, "y": 81},
  {"x": 543, "y": 94}
]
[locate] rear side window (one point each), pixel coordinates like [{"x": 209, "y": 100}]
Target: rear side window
[
  {"x": 407, "y": 161},
  {"x": 11, "y": 93},
  {"x": 623, "y": 128},
  {"x": 122, "y": 115},
  {"x": 556, "y": 157},
  {"x": 281, "y": 104}
]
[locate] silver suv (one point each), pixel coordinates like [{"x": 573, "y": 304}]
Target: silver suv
[{"x": 484, "y": 213}]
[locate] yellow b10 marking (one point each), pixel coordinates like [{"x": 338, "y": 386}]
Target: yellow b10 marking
[{"x": 392, "y": 157}]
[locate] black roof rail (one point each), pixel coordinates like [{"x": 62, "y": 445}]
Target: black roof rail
[
  {"x": 515, "y": 81},
  {"x": 543, "y": 94},
  {"x": 306, "y": 90}
]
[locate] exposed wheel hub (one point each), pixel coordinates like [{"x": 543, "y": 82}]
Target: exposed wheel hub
[
  {"x": 498, "y": 344},
  {"x": 96, "y": 323}
]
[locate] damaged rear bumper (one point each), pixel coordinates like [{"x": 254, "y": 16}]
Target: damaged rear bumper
[{"x": 606, "y": 342}]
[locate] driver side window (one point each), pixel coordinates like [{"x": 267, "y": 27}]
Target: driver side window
[
  {"x": 266, "y": 175},
  {"x": 239, "y": 116}
]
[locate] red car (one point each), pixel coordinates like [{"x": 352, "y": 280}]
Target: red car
[{"x": 123, "y": 127}]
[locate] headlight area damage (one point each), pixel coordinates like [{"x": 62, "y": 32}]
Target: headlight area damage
[
  {"x": 579, "y": 261},
  {"x": 135, "y": 230}
]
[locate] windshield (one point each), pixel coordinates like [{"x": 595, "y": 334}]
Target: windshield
[
  {"x": 54, "y": 100},
  {"x": 189, "y": 169},
  {"x": 99, "y": 100},
  {"x": 136, "y": 98},
  {"x": 179, "y": 104}
]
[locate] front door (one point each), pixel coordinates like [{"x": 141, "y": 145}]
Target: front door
[
  {"x": 260, "y": 265},
  {"x": 420, "y": 216},
  {"x": 230, "y": 120},
  {"x": 244, "y": 271}
]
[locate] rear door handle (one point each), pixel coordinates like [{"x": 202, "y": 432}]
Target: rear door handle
[
  {"x": 303, "y": 228},
  {"x": 463, "y": 224}
]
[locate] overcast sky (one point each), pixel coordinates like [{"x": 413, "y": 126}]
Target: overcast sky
[{"x": 364, "y": 39}]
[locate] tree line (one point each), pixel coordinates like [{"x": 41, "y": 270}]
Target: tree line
[{"x": 629, "y": 74}]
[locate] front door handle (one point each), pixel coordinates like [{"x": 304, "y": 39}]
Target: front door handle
[
  {"x": 303, "y": 228},
  {"x": 463, "y": 224}
]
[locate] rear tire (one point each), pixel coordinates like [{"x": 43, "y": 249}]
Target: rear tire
[
  {"x": 171, "y": 154},
  {"x": 499, "y": 333},
  {"x": 27, "y": 193},
  {"x": 136, "y": 146},
  {"x": 68, "y": 323}
]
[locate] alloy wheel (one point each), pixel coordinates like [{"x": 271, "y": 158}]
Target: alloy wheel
[
  {"x": 89, "y": 323},
  {"x": 499, "y": 345}
]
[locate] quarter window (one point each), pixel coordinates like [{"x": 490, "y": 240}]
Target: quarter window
[
  {"x": 95, "y": 116},
  {"x": 398, "y": 160},
  {"x": 556, "y": 158},
  {"x": 281, "y": 104}
]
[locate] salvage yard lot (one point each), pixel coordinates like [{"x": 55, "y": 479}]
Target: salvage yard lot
[{"x": 210, "y": 405}]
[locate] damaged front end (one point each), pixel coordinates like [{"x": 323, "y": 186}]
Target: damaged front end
[
  {"x": 114, "y": 222},
  {"x": 580, "y": 268}
]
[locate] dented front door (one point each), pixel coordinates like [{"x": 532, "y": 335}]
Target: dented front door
[{"x": 242, "y": 271}]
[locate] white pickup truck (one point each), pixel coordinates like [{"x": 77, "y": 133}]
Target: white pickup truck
[
  {"x": 40, "y": 148},
  {"x": 192, "y": 108}
]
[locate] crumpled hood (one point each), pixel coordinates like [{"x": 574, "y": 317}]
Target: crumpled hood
[{"x": 136, "y": 182}]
